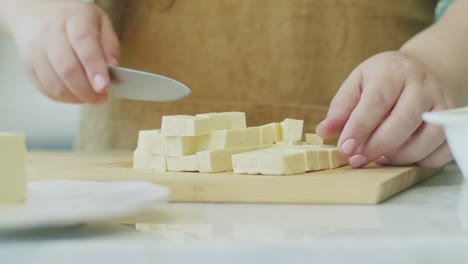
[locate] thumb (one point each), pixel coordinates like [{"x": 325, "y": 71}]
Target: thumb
[{"x": 341, "y": 106}]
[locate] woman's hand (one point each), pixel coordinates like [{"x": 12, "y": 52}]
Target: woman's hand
[
  {"x": 378, "y": 113},
  {"x": 66, "y": 47}
]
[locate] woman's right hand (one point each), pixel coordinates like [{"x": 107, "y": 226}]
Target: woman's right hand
[{"x": 66, "y": 47}]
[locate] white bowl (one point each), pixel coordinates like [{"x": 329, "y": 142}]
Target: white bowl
[{"x": 455, "y": 125}]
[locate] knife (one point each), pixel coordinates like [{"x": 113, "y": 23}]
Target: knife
[{"x": 145, "y": 86}]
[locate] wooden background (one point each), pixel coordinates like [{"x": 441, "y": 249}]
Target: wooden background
[{"x": 270, "y": 58}]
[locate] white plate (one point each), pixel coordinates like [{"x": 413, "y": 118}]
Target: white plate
[
  {"x": 64, "y": 203},
  {"x": 455, "y": 125}
]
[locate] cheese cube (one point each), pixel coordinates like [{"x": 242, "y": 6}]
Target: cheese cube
[
  {"x": 159, "y": 163},
  {"x": 278, "y": 132},
  {"x": 219, "y": 121},
  {"x": 251, "y": 137},
  {"x": 343, "y": 160},
  {"x": 147, "y": 161},
  {"x": 184, "y": 163},
  {"x": 335, "y": 159},
  {"x": 213, "y": 161},
  {"x": 277, "y": 161},
  {"x": 283, "y": 163},
  {"x": 142, "y": 160},
  {"x": 12, "y": 168},
  {"x": 151, "y": 141},
  {"x": 184, "y": 145},
  {"x": 203, "y": 142},
  {"x": 321, "y": 158},
  {"x": 226, "y": 120},
  {"x": 245, "y": 163},
  {"x": 184, "y": 125},
  {"x": 231, "y": 152},
  {"x": 237, "y": 120},
  {"x": 273, "y": 161},
  {"x": 313, "y": 139},
  {"x": 225, "y": 139},
  {"x": 292, "y": 129},
  {"x": 267, "y": 135},
  {"x": 316, "y": 157}
]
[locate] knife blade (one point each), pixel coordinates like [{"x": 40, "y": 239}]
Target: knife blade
[{"x": 144, "y": 86}]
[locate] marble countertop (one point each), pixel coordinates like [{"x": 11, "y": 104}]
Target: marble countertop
[{"x": 425, "y": 224}]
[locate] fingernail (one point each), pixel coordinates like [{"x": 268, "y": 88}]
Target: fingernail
[
  {"x": 357, "y": 160},
  {"x": 382, "y": 161},
  {"x": 321, "y": 123},
  {"x": 113, "y": 61},
  {"x": 99, "y": 83},
  {"x": 348, "y": 146}
]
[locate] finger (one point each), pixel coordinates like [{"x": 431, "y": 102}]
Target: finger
[
  {"x": 420, "y": 145},
  {"x": 50, "y": 84},
  {"x": 341, "y": 106},
  {"x": 379, "y": 94},
  {"x": 85, "y": 41},
  {"x": 401, "y": 123},
  {"x": 69, "y": 69},
  {"x": 109, "y": 42},
  {"x": 439, "y": 157}
]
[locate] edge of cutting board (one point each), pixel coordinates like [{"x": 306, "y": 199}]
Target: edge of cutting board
[{"x": 344, "y": 185}]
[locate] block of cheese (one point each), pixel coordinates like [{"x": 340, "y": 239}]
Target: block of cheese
[
  {"x": 334, "y": 157},
  {"x": 283, "y": 163},
  {"x": 278, "y": 130},
  {"x": 183, "y": 163},
  {"x": 238, "y": 120},
  {"x": 213, "y": 161},
  {"x": 245, "y": 163},
  {"x": 12, "y": 168},
  {"x": 203, "y": 142},
  {"x": 251, "y": 137},
  {"x": 272, "y": 161},
  {"x": 185, "y": 125},
  {"x": 292, "y": 129},
  {"x": 316, "y": 157},
  {"x": 142, "y": 160},
  {"x": 313, "y": 139},
  {"x": 159, "y": 163},
  {"x": 267, "y": 135},
  {"x": 226, "y": 120},
  {"x": 147, "y": 161},
  {"x": 151, "y": 141},
  {"x": 185, "y": 145},
  {"x": 288, "y": 159},
  {"x": 225, "y": 139}
]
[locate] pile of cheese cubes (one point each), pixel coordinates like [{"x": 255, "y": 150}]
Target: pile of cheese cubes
[{"x": 217, "y": 142}]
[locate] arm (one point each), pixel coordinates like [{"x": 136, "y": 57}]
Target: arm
[{"x": 443, "y": 47}]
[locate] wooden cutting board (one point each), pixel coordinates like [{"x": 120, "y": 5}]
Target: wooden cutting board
[{"x": 345, "y": 185}]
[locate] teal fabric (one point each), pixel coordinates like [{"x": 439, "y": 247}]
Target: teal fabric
[{"x": 441, "y": 6}]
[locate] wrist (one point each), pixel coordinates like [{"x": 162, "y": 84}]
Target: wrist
[{"x": 434, "y": 66}]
